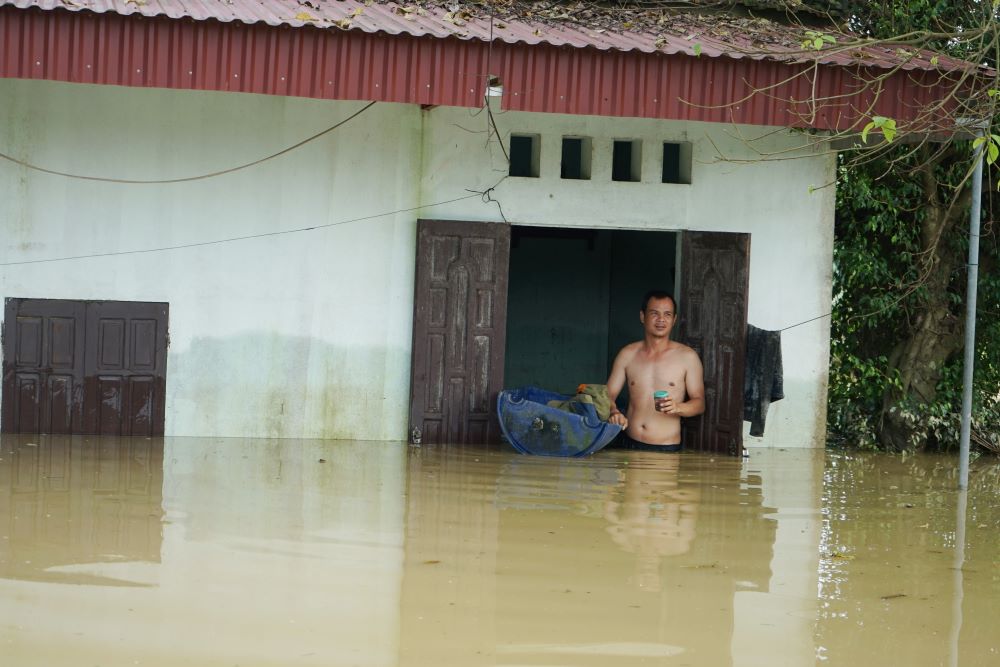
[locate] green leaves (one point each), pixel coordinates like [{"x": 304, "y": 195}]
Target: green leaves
[
  {"x": 887, "y": 126},
  {"x": 992, "y": 142},
  {"x": 817, "y": 40},
  {"x": 881, "y": 289},
  {"x": 898, "y": 254}
]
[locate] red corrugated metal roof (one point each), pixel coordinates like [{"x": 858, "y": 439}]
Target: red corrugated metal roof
[
  {"x": 331, "y": 63},
  {"x": 710, "y": 35}
]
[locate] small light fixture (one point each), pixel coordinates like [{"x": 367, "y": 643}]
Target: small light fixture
[{"x": 494, "y": 87}]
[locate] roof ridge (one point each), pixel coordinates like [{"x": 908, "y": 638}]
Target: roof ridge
[{"x": 695, "y": 28}]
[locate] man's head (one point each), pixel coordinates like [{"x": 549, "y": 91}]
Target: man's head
[
  {"x": 658, "y": 313},
  {"x": 657, "y": 294}
]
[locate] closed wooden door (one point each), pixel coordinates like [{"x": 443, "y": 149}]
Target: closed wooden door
[
  {"x": 43, "y": 360},
  {"x": 713, "y": 316},
  {"x": 124, "y": 393},
  {"x": 84, "y": 367},
  {"x": 459, "y": 327}
]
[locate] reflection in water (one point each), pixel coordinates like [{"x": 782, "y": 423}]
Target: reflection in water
[
  {"x": 248, "y": 552},
  {"x": 578, "y": 561},
  {"x": 654, "y": 517},
  {"x": 218, "y": 552},
  {"x": 70, "y": 501},
  {"x": 888, "y": 551},
  {"x": 961, "y": 515}
]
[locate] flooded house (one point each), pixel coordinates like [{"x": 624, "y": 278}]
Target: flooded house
[
  {"x": 293, "y": 235},
  {"x": 358, "y": 220}
]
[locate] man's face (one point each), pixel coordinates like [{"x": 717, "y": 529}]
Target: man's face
[{"x": 658, "y": 318}]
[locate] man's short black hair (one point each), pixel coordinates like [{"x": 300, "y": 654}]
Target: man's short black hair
[{"x": 658, "y": 294}]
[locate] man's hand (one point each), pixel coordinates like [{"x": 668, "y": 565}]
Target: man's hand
[
  {"x": 668, "y": 406},
  {"x": 618, "y": 418}
]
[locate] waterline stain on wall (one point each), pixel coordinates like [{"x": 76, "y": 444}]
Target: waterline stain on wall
[{"x": 269, "y": 385}]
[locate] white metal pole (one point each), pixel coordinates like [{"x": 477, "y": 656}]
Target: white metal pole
[{"x": 970, "y": 318}]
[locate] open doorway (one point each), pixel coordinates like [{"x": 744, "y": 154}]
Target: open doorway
[
  {"x": 573, "y": 300},
  {"x": 573, "y": 303}
]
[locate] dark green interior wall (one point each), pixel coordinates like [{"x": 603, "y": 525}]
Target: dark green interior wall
[
  {"x": 573, "y": 300},
  {"x": 640, "y": 261},
  {"x": 557, "y": 308}
]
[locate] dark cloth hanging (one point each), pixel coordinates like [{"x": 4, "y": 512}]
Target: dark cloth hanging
[{"x": 762, "y": 378}]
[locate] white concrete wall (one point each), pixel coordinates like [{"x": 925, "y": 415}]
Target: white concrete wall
[
  {"x": 758, "y": 189},
  {"x": 297, "y": 335},
  {"x": 308, "y": 334}
]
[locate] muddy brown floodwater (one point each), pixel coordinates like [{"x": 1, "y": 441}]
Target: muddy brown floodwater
[{"x": 223, "y": 552}]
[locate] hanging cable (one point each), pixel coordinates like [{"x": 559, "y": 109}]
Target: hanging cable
[
  {"x": 798, "y": 324},
  {"x": 187, "y": 179},
  {"x": 247, "y": 237},
  {"x": 487, "y": 196}
]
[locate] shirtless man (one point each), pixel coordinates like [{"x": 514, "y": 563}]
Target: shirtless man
[{"x": 656, "y": 363}]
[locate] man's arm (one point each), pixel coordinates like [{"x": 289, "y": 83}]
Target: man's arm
[
  {"x": 615, "y": 383},
  {"x": 694, "y": 388},
  {"x": 694, "y": 384}
]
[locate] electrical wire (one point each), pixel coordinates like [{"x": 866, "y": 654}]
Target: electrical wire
[
  {"x": 798, "y": 324},
  {"x": 186, "y": 179},
  {"x": 487, "y": 196},
  {"x": 199, "y": 244}
]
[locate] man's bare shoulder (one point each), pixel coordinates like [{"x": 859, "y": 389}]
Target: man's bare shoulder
[
  {"x": 630, "y": 349},
  {"x": 685, "y": 352}
]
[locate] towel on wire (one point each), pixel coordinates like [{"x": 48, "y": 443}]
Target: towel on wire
[{"x": 763, "y": 377}]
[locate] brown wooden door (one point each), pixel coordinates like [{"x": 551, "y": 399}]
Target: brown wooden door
[
  {"x": 713, "y": 315},
  {"x": 43, "y": 366},
  {"x": 125, "y": 368},
  {"x": 459, "y": 328},
  {"x": 86, "y": 367}
]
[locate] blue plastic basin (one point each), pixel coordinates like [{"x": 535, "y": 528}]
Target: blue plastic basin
[{"x": 532, "y": 427}]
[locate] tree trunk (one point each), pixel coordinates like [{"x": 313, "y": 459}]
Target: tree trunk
[
  {"x": 934, "y": 332},
  {"x": 919, "y": 359}
]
